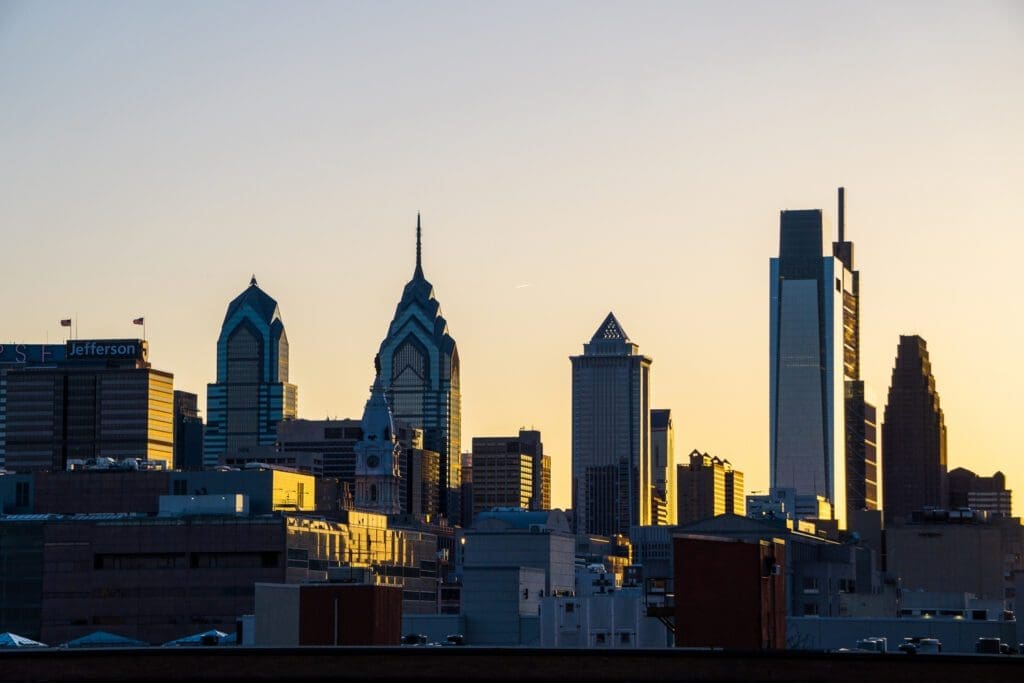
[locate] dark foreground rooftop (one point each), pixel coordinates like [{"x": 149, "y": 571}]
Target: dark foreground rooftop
[{"x": 493, "y": 664}]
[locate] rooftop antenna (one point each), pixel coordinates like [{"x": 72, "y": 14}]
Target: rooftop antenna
[
  {"x": 419, "y": 259},
  {"x": 842, "y": 214}
]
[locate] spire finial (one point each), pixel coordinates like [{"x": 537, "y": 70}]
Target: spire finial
[
  {"x": 252, "y": 282},
  {"x": 419, "y": 260}
]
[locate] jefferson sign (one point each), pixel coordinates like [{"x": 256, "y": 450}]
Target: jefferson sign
[{"x": 96, "y": 349}]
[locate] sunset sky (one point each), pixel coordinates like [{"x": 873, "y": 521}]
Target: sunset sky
[{"x": 568, "y": 158}]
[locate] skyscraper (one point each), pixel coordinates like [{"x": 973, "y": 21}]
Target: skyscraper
[
  {"x": 806, "y": 378},
  {"x": 420, "y": 366},
  {"x": 252, "y": 393},
  {"x": 611, "y": 431},
  {"x": 914, "y": 435},
  {"x": 862, "y": 450}
]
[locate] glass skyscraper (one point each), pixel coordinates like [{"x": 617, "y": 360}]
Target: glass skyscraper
[
  {"x": 252, "y": 393},
  {"x": 806, "y": 377},
  {"x": 420, "y": 366},
  {"x": 611, "y": 434}
]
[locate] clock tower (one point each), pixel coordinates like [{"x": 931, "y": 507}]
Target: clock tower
[{"x": 377, "y": 455}]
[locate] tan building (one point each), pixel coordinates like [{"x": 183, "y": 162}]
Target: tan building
[
  {"x": 708, "y": 487},
  {"x": 510, "y": 471}
]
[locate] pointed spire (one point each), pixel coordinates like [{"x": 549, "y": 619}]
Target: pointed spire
[
  {"x": 252, "y": 282},
  {"x": 419, "y": 250}
]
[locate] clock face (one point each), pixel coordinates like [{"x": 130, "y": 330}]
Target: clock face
[{"x": 372, "y": 461}]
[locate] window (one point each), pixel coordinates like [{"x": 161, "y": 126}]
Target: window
[
  {"x": 21, "y": 490},
  {"x": 810, "y": 609},
  {"x": 181, "y": 487},
  {"x": 569, "y": 608},
  {"x": 624, "y": 638}
]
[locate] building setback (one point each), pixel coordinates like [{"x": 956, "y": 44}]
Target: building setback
[
  {"x": 252, "y": 393},
  {"x": 420, "y": 368},
  {"x": 913, "y": 434},
  {"x": 611, "y": 430}
]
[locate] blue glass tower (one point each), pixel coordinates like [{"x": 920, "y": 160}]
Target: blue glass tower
[
  {"x": 252, "y": 393},
  {"x": 807, "y": 408},
  {"x": 420, "y": 367}
]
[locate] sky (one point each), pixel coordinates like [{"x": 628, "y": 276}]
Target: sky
[{"x": 568, "y": 159}]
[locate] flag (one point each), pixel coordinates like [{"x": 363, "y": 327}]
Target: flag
[
  {"x": 66, "y": 322},
  {"x": 139, "y": 321}
]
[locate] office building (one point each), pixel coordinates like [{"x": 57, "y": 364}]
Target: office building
[
  {"x": 914, "y": 435},
  {"x": 502, "y": 475},
  {"x": 511, "y": 471},
  {"x": 708, "y": 487},
  {"x": 420, "y": 368},
  {"x": 19, "y": 357},
  {"x": 331, "y": 442},
  {"x": 663, "y": 463},
  {"x": 989, "y": 494},
  {"x": 862, "y": 448},
  {"x": 154, "y": 578},
  {"x": 188, "y": 432},
  {"x": 530, "y": 443},
  {"x": 611, "y": 450},
  {"x": 103, "y": 401},
  {"x": 807, "y": 359},
  {"x": 252, "y": 393}
]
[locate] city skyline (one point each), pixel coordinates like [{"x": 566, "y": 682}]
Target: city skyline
[{"x": 643, "y": 177}]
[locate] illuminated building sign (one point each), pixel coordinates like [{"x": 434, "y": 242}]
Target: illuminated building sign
[{"x": 111, "y": 349}]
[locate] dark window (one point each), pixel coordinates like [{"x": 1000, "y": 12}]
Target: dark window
[
  {"x": 181, "y": 487},
  {"x": 21, "y": 489}
]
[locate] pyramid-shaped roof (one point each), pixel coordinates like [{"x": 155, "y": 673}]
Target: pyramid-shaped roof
[
  {"x": 104, "y": 639},
  {"x": 610, "y": 330},
  {"x": 9, "y": 639}
]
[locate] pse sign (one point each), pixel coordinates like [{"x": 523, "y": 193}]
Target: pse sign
[
  {"x": 31, "y": 354},
  {"x": 107, "y": 348}
]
